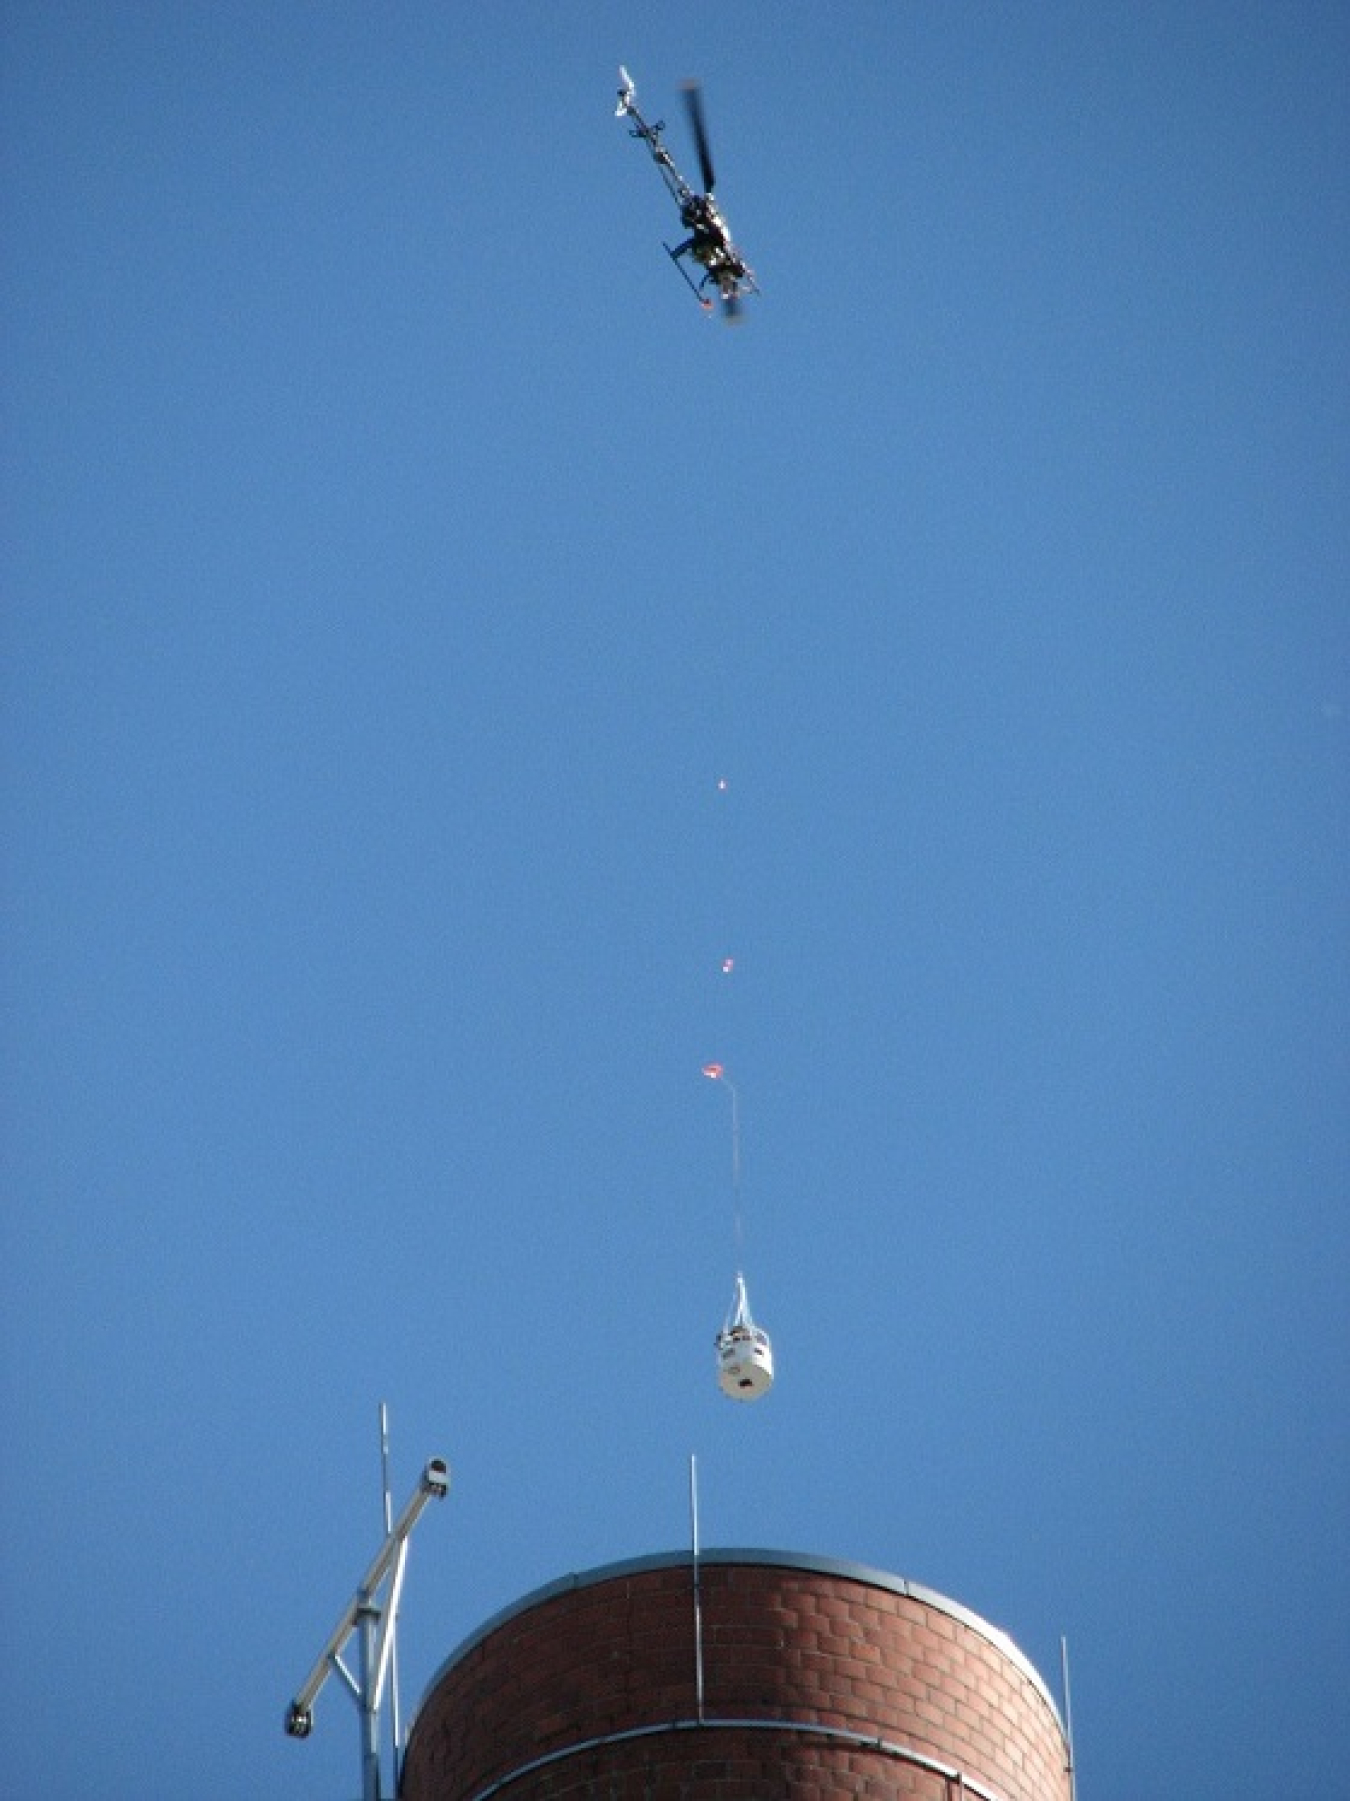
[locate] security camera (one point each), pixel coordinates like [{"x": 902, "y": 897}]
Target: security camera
[
  {"x": 436, "y": 1477},
  {"x": 299, "y": 1721}
]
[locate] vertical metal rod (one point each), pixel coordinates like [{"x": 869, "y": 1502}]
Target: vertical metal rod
[
  {"x": 1068, "y": 1714},
  {"x": 370, "y": 1716},
  {"x": 384, "y": 1465},
  {"x": 698, "y": 1599},
  {"x": 396, "y": 1725}
]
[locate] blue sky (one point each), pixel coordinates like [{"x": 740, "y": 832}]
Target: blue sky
[{"x": 394, "y": 561}]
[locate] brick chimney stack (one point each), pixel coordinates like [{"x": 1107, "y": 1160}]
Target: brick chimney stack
[{"x": 807, "y": 1677}]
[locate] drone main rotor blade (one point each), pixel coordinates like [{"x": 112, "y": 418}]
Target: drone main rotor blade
[{"x": 693, "y": 99}]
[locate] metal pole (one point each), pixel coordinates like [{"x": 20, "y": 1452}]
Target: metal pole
[
  {"x": 395, "y": 1721},
  {"x": 369, "y": 1708},
  {"x": 1068, "y": 1715},
  {"x": 698, "y": 1601}
]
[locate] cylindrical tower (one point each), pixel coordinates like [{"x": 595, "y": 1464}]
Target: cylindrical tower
[{"x": 742, "y": 1676}]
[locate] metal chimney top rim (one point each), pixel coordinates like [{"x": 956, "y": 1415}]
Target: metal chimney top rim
[{"x": 788, "y": 1560}]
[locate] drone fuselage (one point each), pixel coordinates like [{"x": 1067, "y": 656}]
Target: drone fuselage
[{"x": 709, "y": 242}]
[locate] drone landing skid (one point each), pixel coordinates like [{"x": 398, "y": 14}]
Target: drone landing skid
[{"x": 694, "y": 287}]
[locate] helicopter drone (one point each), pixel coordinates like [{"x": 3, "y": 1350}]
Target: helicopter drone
[{"x": 709, "y": 241}]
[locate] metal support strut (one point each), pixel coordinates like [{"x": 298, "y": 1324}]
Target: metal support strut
[{"x": 371, "y": 1614}]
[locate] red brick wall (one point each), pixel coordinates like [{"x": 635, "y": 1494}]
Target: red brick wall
[{"x": 781, "y": 1645}]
